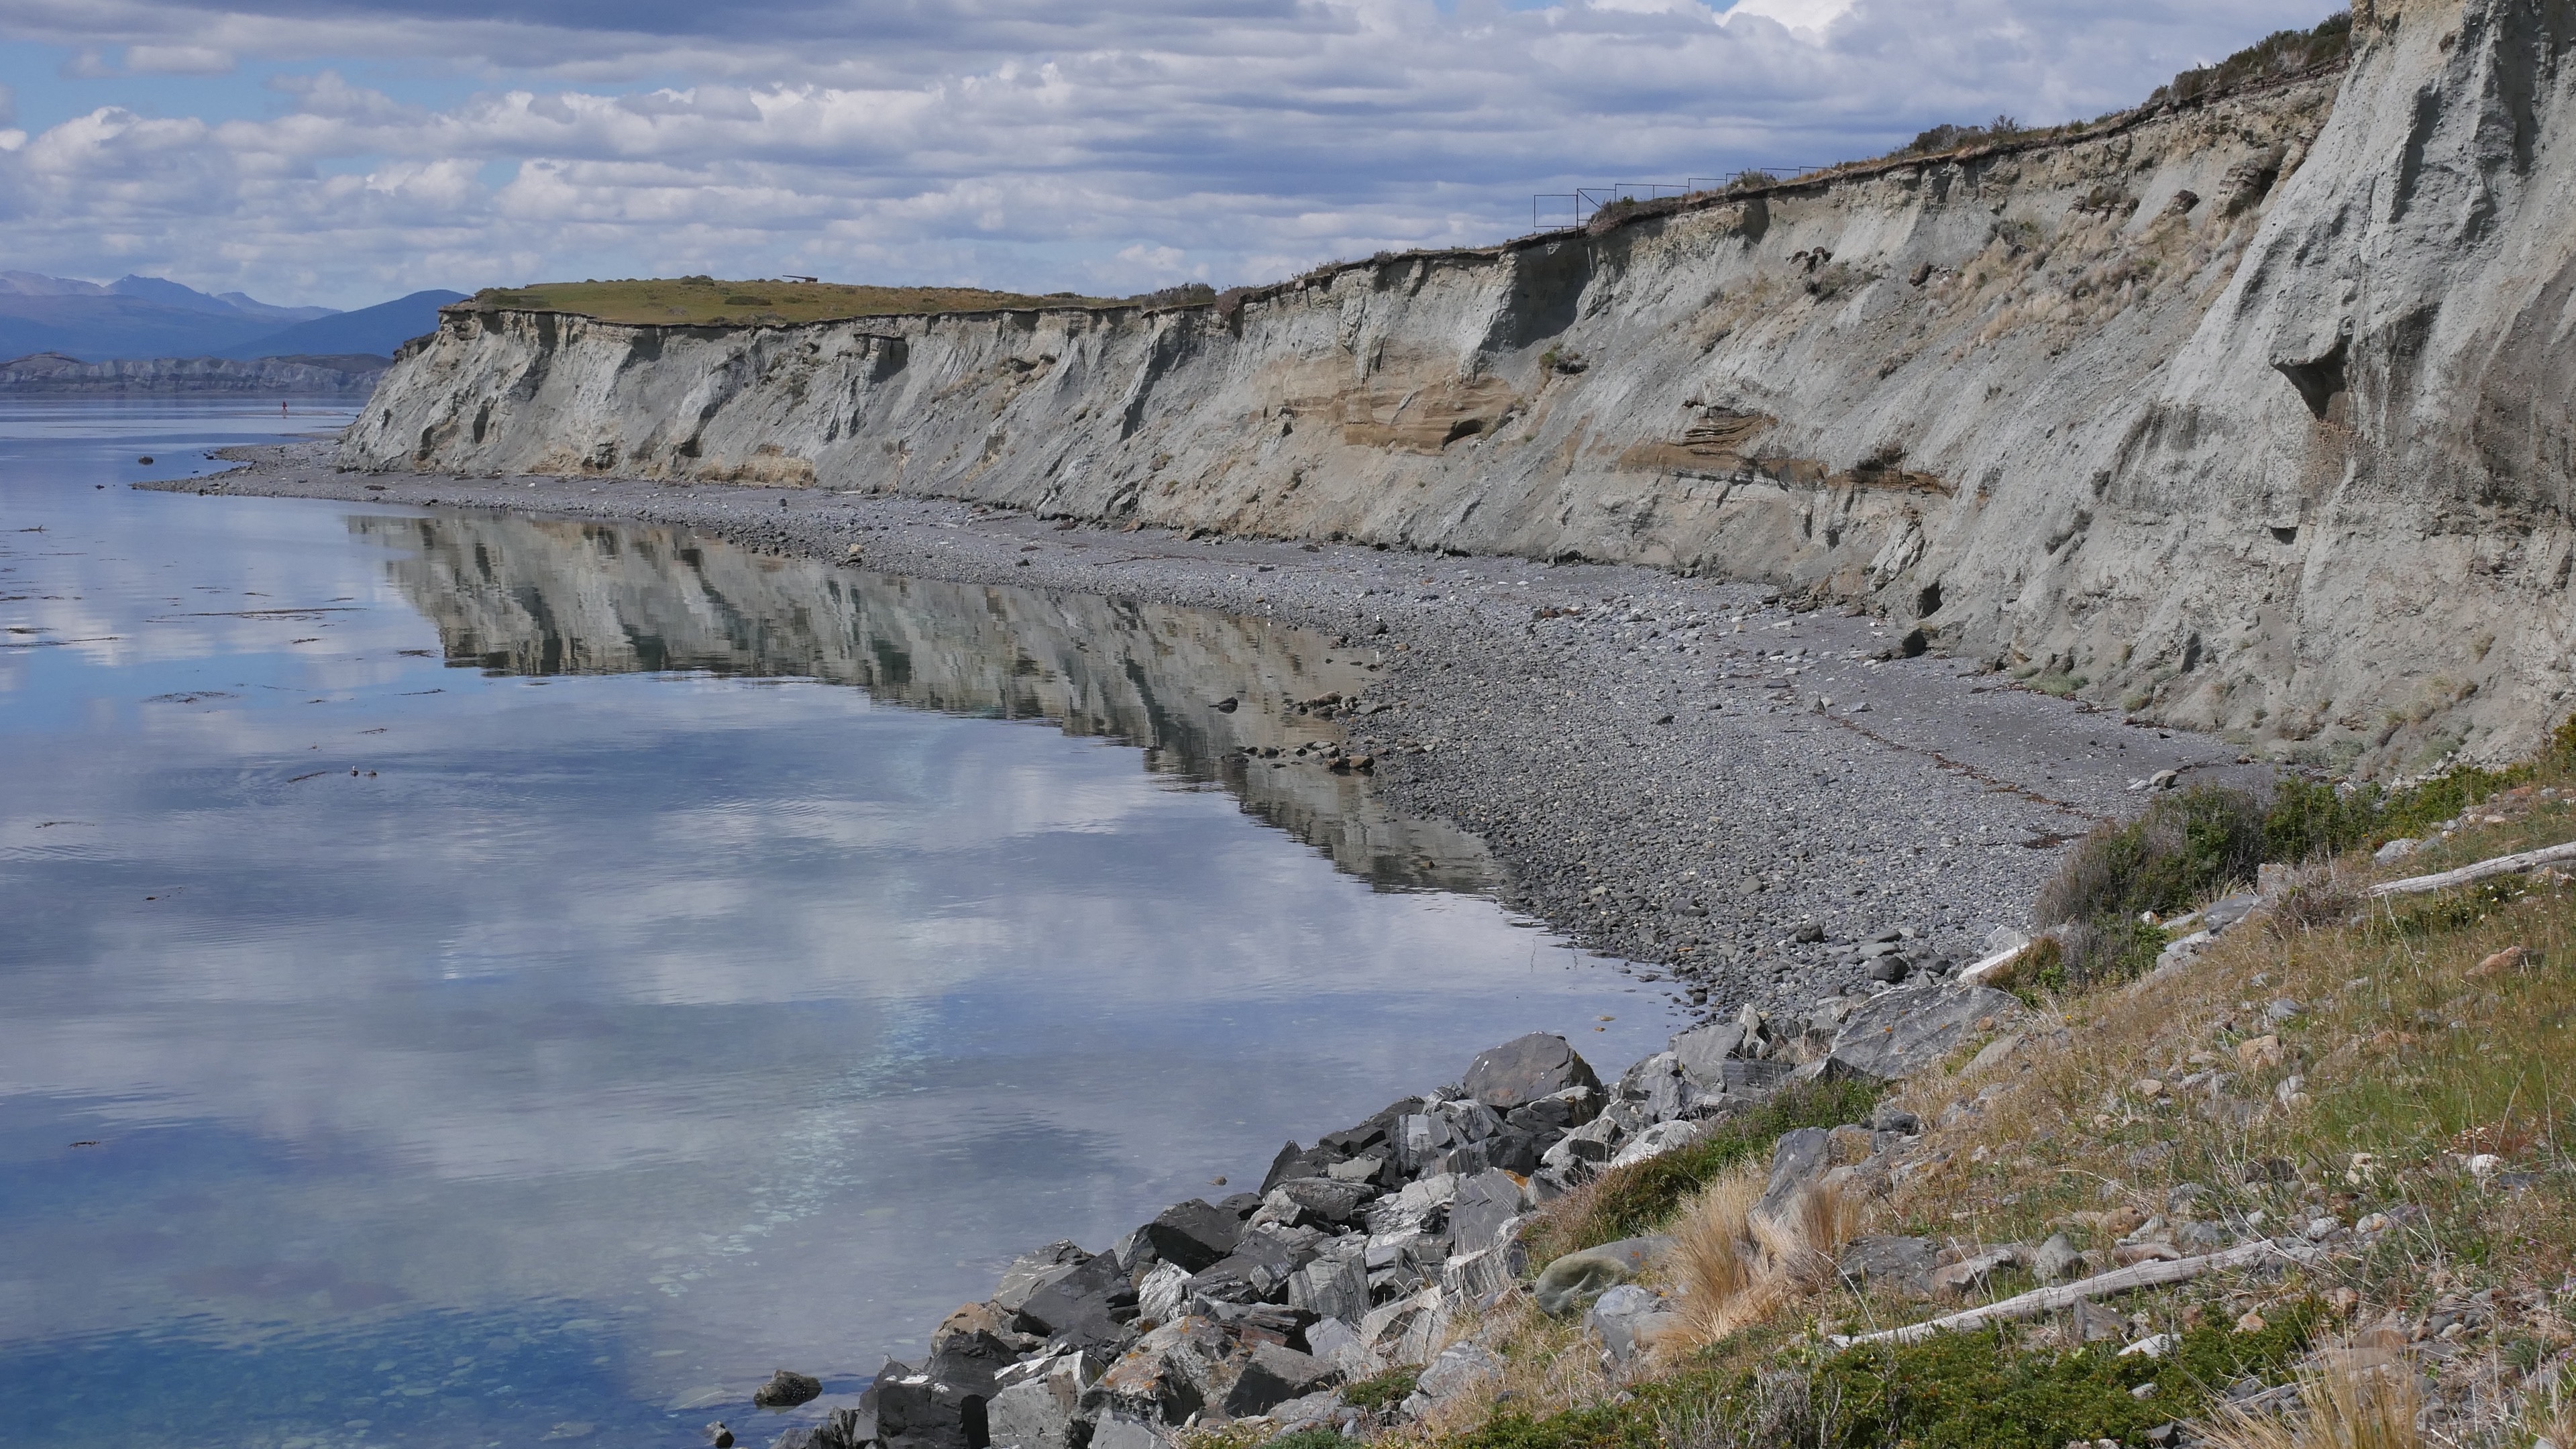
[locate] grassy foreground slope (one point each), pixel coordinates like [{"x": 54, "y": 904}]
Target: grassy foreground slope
[{"x": 2384, "y": 1085}]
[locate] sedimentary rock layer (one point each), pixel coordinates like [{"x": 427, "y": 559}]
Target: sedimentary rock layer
[{"x": 2251, "y": 414}]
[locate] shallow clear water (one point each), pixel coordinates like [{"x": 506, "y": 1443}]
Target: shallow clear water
[{"x": 477, "y": 980}]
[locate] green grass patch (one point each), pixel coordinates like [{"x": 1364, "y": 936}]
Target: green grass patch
[
  {"x": 1383, "y": 1392},
  {"x": 1978, "y": 1391},
  {"x": 1951, "y": 1391},
  {"x": 1626, "y": 1201}
]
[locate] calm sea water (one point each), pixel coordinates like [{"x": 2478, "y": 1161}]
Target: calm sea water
[{"x": 469, "y": 980}]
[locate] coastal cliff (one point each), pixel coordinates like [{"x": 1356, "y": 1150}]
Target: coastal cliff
[{"x": 2248, "y": 414}]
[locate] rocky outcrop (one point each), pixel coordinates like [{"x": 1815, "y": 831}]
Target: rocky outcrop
[
  {"x": 2249, "y": 413},
  {"x": 52, "y": 372},
  {"x": 1356, "y": 1256}
]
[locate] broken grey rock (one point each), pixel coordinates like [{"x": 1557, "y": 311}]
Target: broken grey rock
[
  {"x": 1080, "y": 1307},
  {"x": 1484, "y": 1204},
  {"x": 1556, "y": 1112},
  {"x": 1406, "y": 1330},
  {"x": 1901, "y": 1264},
  {"x": 1271, "y": 1376},
  {"x": 1314, "y": 1411},
  {"x": 1169, "y": 1375},
  {"x": 911, "y": 1410},
  {"x": 2056, "y": 1260},
  {"x": 1704, "y": 1052},
  {"x": 1160, "y": 1296},
  {"x": 1126, "y": 1431},
  {"x": 1031, "y": 1270},
  {"x": 1461, "y": 1368},
  {"x": 1339, "y": 1344},
  {"x": 1526, "y": 1069},
  {"x": 1422, "y": 1206},
  {"x": 1627, "y": 1318},
  {"x": 1314, "y": 1201},
  {"x": 1797, "y": 1159},
  {"x": 1334, "y": 1286},
  {"x": 1657, "y": 1140},
  {"x": 1484, "y": 1274},
  {"x": 1194, "y": 1234},
  {"x": 1901, "y": 1032},
  {"x": 1034, "y": 1403},
  {"x": 1587, "y": 1146}
]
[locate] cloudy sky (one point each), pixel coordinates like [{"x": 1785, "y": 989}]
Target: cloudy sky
[{"x": 343, "y": 151}]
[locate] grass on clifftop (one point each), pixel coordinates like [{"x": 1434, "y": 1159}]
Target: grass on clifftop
[
  {"x": 2393, "y": 1080},
  {"x": 704, "y": 301}
]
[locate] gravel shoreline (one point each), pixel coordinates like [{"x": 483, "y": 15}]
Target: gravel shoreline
[{"x": 1687, "y": 774}]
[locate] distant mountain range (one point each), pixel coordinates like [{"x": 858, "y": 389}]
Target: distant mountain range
[{"x": 150, "y": 317}]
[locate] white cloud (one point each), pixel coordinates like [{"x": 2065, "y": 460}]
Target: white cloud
[
  {"x": 1013, "y": 144},
  {"x": 178, "y": 60}
]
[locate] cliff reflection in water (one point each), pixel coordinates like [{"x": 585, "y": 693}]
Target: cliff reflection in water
[{"x": 541, "y": 597}]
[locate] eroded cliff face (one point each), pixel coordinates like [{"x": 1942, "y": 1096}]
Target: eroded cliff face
[{"x": 2253, "y": 416}]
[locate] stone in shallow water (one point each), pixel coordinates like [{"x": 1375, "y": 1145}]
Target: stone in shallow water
[{"x": 786, "y": 1389}]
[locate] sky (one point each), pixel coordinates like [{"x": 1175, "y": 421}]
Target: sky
[{"x": 339, "y": 152}]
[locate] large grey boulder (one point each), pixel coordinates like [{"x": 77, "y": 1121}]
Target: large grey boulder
[
  {"x": 1486, "y": 1203},
  {"x": 1033, "y": 1403},
  {"x": 1523, "y": 1070},
  {"x": 1272, "y": 1375},
  {"x": 909, "y": 1409},
  {"x": 1898, "y": 1033},
  {"x": 1486, "y": 1274},
  {"x": 1461, "y": 1368},
  {"x": 1423, "y": 1206},
  {"x": 1556, "y": 1112},
  {"x": 1314, "y": 1202},
  {"x": 1030, "y": 1271},
  {"x": 1702, "y": 1053},
  {"x": 1333, "y": 1286},
  {"x": 1081, "y": 1308},
  {"x": 1427, "y": 1141},
  {"x": 1170, "y": 1374},
  {"x": 1900, "y": 1264},
  {"x": 1194, "y": 1234}
]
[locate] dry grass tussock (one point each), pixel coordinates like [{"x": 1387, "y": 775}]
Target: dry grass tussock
[
  {"x": 1733, "y": 1266},
  {"x": 2550, "y": 1418},
  {"x": 2347, "y": 1400}
]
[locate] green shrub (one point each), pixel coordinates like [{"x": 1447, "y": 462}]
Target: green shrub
[
  {"x": 1626, "y": 1201},
  {"x": 2185, "y": 847},
  {"x": 2283, "y": 52}
]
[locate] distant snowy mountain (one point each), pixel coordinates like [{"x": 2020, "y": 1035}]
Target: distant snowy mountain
[{"x": 153, "y": 317}]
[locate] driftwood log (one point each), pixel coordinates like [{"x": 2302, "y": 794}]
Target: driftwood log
[
  {"x": 2067, "y": 1295},
  {"x": 2471, "y": 874}
]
